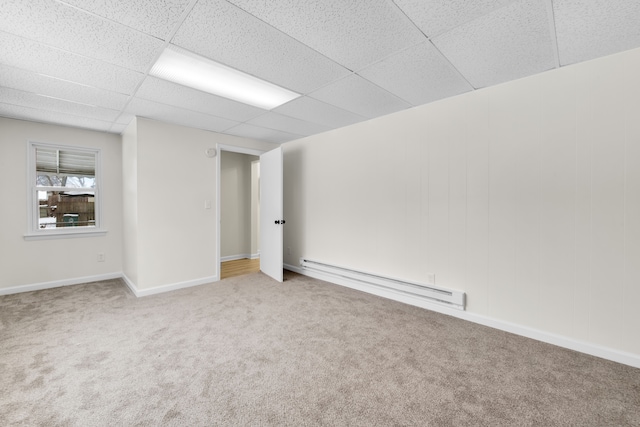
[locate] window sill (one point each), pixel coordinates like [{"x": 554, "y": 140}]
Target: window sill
[{"x": 46, "y": 235}]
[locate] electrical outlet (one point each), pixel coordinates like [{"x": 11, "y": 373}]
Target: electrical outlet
[
  {"x": 101, "y": 257},
  {"x": 288, "y": 251},
  {"x": 431, "y": 278}
]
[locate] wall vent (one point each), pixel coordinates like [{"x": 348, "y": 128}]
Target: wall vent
[{"x": 449, "y": 297}]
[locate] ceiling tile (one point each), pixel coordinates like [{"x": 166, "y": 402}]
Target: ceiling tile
[
  {"x": 588, "y": 29},
  {"x": 38, "y": 58},
  {"x": 224, "y": 33},
  {"x": 367, "y": 30},
  {"x": 507, "y": 44},
  {"x": 118, "y": 128},
  {"x": 180, "y": 116},
  {"x": 246, "y": 130},
  {"x": 68, "y": 28},
  {"x": 26, "y": 99},
  {"x": 124, "y": 118},
  {"x": 312, "y": 110},
  {"x": 434, "y": 17},
  {"x": 165, "y": 92},
  {"x": 16, "y": 78},
  {"x": 44, "y": 116},
  {"x": 84, "y": 62},
  {"x": 418, "y": 75},
  {"x": 360, "y": 96},
  {"x": 287, "y": 124},
  {"x": 155, "y": 17}
]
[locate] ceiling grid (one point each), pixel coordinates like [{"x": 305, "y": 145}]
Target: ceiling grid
[{"x": 86, "y": 63}]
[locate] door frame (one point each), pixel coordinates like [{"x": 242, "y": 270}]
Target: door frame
[{"x": 219, "y": 149}]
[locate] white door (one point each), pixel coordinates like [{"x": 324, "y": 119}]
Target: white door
[{"x": 271, "y": 213}]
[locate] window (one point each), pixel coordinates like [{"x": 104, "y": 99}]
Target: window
[{"x": 64, "y": 186}]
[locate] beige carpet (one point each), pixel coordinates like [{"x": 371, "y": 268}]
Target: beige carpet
[{"x": 251, "y": 352}]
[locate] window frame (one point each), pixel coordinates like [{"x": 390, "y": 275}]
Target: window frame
[{"x": 34, "y": 232}]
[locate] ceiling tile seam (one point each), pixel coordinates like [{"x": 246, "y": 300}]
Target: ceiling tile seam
[
  {"x": 185, "y": 13},
  {"x": 246, "y": 122},
  {"x": 53, "y": 77},
  {"x": 403, "y": 13},
  {"x": 71, "y": 53},
  {"x": 63, "y": 99},
  {"x": 60, "y": 99},
  {"x": 267, "y": 128},
  {"x": 329, "y": 83},
  {"x": 289, "y": 36},
  {"x": 461, "y": 23},
  {"x": 411, "y": 104},
  {"x": 429, "y": 40},
  {"x": 552, "y": 32},
  {"x": 307, "y": 93},
  {"x": 348, "y": 111},
  {"x": 262, "y": 127},
  {"x": 384, "y": 58},
  {"x": 325, "y": 103},
  {"x": 353, "y": 73},
  {"x": 104, "y": 18},
  {"x": 225, "y": 129},
  {"x": 255, "y": 117},
  {"x": 51, "y": 122},
  {"x": 175, "y": 121},
  {"x": 326, "y": 128},
  {"x": 192, "y": 111},
  {"x": 107, "y": 124},
  {"x": 453, "y": 67},
  {"x": 47, "y": 110},
  {"x": 68, "y": 100}
]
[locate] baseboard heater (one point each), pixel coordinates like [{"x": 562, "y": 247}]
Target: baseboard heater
[{"x": 451, "y": 298}]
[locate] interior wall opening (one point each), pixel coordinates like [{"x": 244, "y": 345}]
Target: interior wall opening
[{"x": 239, "y": 214}]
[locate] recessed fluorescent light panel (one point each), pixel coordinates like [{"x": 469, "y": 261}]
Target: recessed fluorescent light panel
[{"x": 188, "y": 69}]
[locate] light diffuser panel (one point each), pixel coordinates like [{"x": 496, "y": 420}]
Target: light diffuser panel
[{"x": 188, "y": 69}]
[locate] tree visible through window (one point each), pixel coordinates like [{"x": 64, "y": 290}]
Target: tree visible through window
[{"x": 65, "y": 187}]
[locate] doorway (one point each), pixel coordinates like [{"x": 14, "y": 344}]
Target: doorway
[
  {"x": 238, "y": 211},
  {"x": 271, "y": 208},
  {"x": 239, "y": 214},
  {"x": 239, "y": 267}
]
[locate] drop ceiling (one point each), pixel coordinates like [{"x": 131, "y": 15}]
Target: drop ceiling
[{"x": 86, "y": 63}]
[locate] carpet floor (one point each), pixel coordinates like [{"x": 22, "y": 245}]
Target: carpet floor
[{"x": 248, "y": 351}]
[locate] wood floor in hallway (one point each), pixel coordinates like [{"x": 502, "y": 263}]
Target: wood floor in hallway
[{"x": 239, "y": 267}]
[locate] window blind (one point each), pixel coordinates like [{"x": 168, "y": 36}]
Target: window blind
[{"x": 61, "y": 162}]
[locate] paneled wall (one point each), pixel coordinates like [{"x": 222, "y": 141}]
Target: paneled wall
[{"x": 525, "y": 195}]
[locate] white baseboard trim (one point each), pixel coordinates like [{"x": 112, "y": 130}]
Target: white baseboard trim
[
  {"x": 241, "y": 256},
  {"x": 536, "y": 334},
  {"x": 166, "y": 288},
  {"x": 59, "y": 283}
]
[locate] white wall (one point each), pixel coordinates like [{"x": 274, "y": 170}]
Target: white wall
[
  {"x": 39, "y": 263},
  {"x": 130, "y": 201},
  {"x": 255, "y": 207},
  {"x": 526, "y": 196},
  {"x": 175, "y": 235},
  {"x": 236, "y": 204}
]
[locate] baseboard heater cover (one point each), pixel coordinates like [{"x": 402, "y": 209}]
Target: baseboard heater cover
[{"x": 449, "y": 297}]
